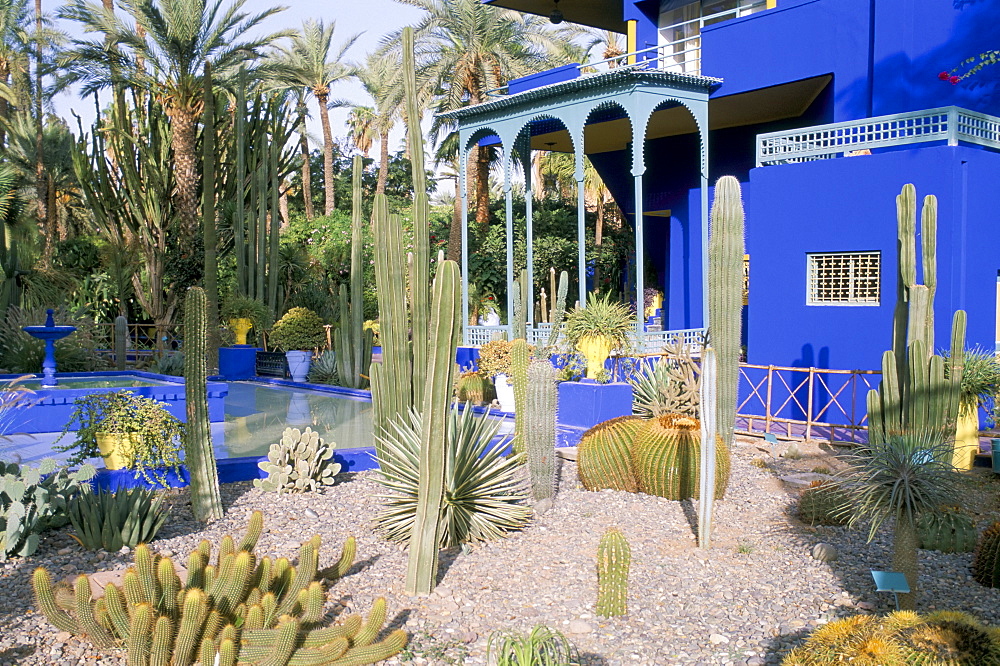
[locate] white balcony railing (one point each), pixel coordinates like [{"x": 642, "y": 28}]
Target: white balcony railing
[
  {"x": 651, "y": 342},
  {"x": 858, "y": 137}
]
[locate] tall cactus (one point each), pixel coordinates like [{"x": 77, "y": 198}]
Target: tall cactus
[
  {"x": 558, "y": 309},
  {"x": 519, "y": 359},
  {"x": 353, "y": 344},
  {"x": 210, "y": 232},
  {"x": 540, "y": 429},
  {"x": 206, "y": 502},
  {"x": 613, "y": 560},
  {"x": 519, "y": 318},
  {"x": 721, "y": 359},
  {"x": 121, "y": 342},
  {"x": 914, "y": 393}
]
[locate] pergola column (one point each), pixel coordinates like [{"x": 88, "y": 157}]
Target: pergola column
[
  {"x": 640, "y": 257},
  {"x": 524, "y": 151},
  {"x": 581, "y": 211},
  {"x": 460, "y": 191},
  {"x": 509, "y": 214}
]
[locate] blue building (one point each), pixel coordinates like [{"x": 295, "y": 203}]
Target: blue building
[{"x": 823, "y": 109}]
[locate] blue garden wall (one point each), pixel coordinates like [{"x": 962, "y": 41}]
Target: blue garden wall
[{"x": 848, "y": 204}]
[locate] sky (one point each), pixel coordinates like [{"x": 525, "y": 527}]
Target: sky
[{"x": 371, "y": 18}]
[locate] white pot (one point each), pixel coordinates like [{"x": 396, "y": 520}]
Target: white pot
[
  {"x": 298, "y": 364},
  {"x": 505, "y": 392}
]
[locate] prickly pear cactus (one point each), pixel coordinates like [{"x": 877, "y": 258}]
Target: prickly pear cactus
[{"x": 301, "y": 462}]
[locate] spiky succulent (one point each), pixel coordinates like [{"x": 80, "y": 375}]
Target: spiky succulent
[{"x": 669, "y": 386}]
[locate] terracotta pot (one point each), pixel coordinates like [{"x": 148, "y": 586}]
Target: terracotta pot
[{"x": 240, "y": 326}]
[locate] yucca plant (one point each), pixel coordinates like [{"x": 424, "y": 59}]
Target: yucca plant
[
  {"x": 669, "y": 386},
  {"x": 112, "y": 520},
  {"x": 896, "y": 482},
  {"x": 484, "y": 495},
  {"x": 542, "y": 647}
]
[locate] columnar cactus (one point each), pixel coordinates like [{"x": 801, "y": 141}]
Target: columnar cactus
[
  {"x": 558, "y": 309},
  {"x": 199, "y": 456},
  {"x": 948, "y": 531},
  {"x": 301, "y": 462},
  {"x": 519, "y": 359},
  {"x": 604, "y": 455},
  {"x": 613, "y": 560},
  {"x": 986, "y": 560},
  {"x": 519, "y": 318},
  {"x": 239, "y": 609},
  {"x": 540, "y": 429},
  {"x": 666, "y": 457},
  {"x": 121, "y": 342},
  {"x": 210, "y": 231}
]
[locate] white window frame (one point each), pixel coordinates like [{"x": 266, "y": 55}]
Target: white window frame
[{"x": 859, "y": 287}]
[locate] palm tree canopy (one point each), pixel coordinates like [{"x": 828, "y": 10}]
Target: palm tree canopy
[
  {"x": 311, "y": 61},
  {"x": 166, "y": 48}
]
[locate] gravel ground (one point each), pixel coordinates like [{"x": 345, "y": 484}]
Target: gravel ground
[{"x": 755, "y": 594}]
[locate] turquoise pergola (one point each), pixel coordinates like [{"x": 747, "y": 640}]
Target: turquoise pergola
[{"x": 569, "y": 116}]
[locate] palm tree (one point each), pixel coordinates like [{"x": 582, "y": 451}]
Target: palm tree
[
  {"x": 898, "y": 480},
  {"x": 311, "y": 62},
  {"x": 14, "y": 45},
  {"x": 163, "y": 50},
  {"x": 380, "y": 77},
  {"x": 361, "y": 125},
  {"x": 465, "y": 48}
]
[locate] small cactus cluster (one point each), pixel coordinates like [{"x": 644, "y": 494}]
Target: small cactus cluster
[
  {"x": 659, "y": 456},
  {"x": 301, "y": 462},
  {"x": 947, "y": 531},
  {"x": 903, "y": 638},
  {"x": 613, "y": 560},
  {"x": 112, "y": 520},
  {"x": 822, "y": 503},
  {"x": 986, "y": 559},
  {"x": 237, "y": 610}
]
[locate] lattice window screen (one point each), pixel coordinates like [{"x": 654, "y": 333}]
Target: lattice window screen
[{"x": 844, "y": 278}]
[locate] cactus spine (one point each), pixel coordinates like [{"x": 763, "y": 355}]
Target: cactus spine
[
  {"x": 519, "y": 320},
  {"x": 914, "y": 394},
  {"x": 721, "y": 359},
  {"x": 206, "y": 502},
  {"x": 986, "y": 560},
  {"x": 519, "y": 358},
  {"x": 604, "y": 455},
  {"x": 613, "y": 560},
  {"x": 540, "y": 429},
  {"x": 121, "y": 342}
]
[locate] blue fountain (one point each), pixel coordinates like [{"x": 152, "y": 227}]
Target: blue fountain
[{"x": 50, "y": 333}]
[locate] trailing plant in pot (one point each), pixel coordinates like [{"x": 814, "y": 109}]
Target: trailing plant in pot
[
  {"x": 243, "y": 314},
  {"x": 297, "y": 332},
  {"x": 598, "y": 329},
  {"x": 129, "y": 431}
]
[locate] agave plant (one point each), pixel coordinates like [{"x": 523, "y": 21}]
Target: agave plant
[
  {"x": 669, "y": 386},
  {"x": 908, "y": 475},
  {"x": 324, "y": 369},
  {"x": 542, "y": 647},
  {"x": 484, "y": 492}
]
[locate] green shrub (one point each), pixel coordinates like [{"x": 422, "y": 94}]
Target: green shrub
[{"x": 298, "y": 329}]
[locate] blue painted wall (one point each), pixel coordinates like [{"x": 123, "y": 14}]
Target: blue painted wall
[{"x": 848, "y": 204}]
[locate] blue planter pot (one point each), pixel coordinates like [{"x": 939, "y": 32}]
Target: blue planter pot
[{"x": 298, "y": 364}]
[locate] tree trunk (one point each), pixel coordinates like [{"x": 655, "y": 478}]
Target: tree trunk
[
  {"x": 383, "y": 162},
  {"x": 4, "y": 105},
  {"x": 41, "y": 188},
  {"x": 183, "y": 142},
  {"x": 283, "y": 208},
  {"x": 482, "y": 158},
  {"x": 324, "y": 116},
  {"x": 307, "y": 190},
  {"x": 455, "y": 230},
  {"x": 904, "y": 560}
]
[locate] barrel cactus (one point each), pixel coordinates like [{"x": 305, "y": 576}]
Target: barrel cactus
[
  {"x": 239, "y": 609},
  {"x": 948, "y": 531},
  {"x": 471, "y": 387},
  {"x": 822, "y": 503},
  {"x": 301, "y": 462},
  {"x": 986, "y": 560},
  {"x": 613, "y": 560},
  {"x": 604, "y": 458},
  {"x": 666, "y": 457}
]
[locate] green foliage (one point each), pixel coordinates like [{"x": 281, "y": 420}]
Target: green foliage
[
  {"x": 903, "y": 638},
  {"x": 274, "y": 609},
  {"x": 486, "y": 498},
  {"x": 495, "y": 358},
  {"x": 298, "y": 329},
  {"x": 614, "y": 557},
  {"x": 237, "y": 306},
  {"x": 111, "y": 520},
  {"x": 19, "y": 352},
  {"x": 986, "y": 560},
  {"x": 615, "y": 321},
  {"x": 948, "y": 531},
  {"x": 159, "y": 432},
  {"x": 33, "y": 499},
  {"x": 170, "y": 363},
  {"x": 301, "y": 462},
  {"x": 323, "y": 369},
  {"x": 544, "y": 646},
  {"x": 669, "y": 386},
  {"x": 822, "y": 503},
  {"x": 980, "y": 376},
  {"x": 471, "y": 387}
]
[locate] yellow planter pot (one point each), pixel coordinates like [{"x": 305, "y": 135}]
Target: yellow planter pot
[
  {"x": 116, "y": 448},
  {"x": 596, "y": 349},
  {"x": 241, "y": 327},
  {"x": 966, "y": 436}
]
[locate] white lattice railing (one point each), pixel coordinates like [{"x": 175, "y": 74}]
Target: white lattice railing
[
  {"x": 949, "y": 123},
  {"x": 651, "y": 342}
]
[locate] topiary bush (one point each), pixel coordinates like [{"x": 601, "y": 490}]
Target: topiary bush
[{"x": 298, "y": 329}]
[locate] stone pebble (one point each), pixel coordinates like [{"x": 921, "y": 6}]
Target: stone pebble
[{"x": 748, "y": 600}]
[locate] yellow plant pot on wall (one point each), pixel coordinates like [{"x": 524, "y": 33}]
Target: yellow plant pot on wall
[
  {"x": 241, "y": 327},
  {"x": 596, "y": 349},
  {"x": 966, "y": 435},
  {"x": 114, "y": 447}
]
